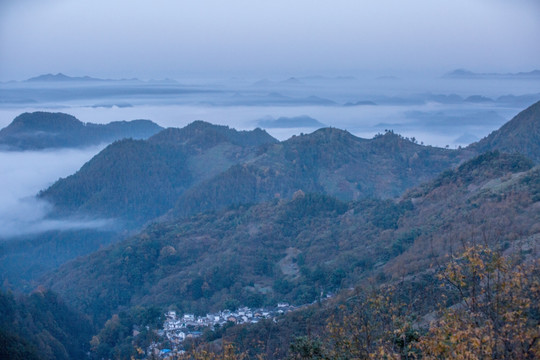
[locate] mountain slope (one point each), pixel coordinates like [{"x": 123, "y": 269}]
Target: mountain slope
[
  {"x": 41, "y": 130},
  {"x": 200, "y": 135},
  {"x": 519, "y": 135},
  {"x": 41, "y": 326},
  {"x": 293, "y": 250},
  {"x": 256, "y": 255},
  {"x": 492, "y": 200},
  {"x": 207, "y": 167},
  {"x": 329, "y": 161},
  {"x": 138, "y": 180}
]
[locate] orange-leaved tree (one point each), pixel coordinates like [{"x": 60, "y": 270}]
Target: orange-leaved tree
[{"x": 498, "y": 314}]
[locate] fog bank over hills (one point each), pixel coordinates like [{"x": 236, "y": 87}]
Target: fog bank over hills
[
  {"x": 436, "y": 110},
  {"x": 45, "y": 130}
]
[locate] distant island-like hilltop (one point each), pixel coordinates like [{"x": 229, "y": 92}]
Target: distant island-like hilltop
[
  {"x": 466, "y": 74},
  {"x": 41, "y": 130}
]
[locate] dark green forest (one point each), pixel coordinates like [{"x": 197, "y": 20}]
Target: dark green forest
[{"x": 41, "y": 326}]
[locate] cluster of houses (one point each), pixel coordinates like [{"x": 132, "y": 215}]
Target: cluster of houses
[{"x": 176, "y": 328}]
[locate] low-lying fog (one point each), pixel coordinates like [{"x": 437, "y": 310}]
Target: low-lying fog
[
  {"x": 436, "y": 111},
  {"x": 434, "y": 124},
  {"x": 440, "y": 112},
  {"x": 24, "y": 174}
]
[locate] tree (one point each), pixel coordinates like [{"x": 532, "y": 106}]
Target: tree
[
  {"x": 228, "y": 353},
  {"x": 498, "y": 315},
  {"x": 371, "y": 326},
  {"x": 304, "y": 347}
]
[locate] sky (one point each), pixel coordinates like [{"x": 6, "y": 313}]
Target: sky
[{"x": 253, "y": 38}]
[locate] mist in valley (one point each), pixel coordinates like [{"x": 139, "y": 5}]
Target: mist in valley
[
  {"x": 434, "y": 111},
  {"x": 26, "y": 173}
]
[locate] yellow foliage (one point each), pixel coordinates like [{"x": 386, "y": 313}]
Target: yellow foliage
[{"x": 497, "y": 317}]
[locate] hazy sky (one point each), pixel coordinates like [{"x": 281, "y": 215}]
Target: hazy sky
[{"x": 178, "y": 39}]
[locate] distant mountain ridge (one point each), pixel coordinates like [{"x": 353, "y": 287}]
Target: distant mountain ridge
[
  {"x": 60, "y": 77},
  {"x": 41, "y": 130},
  {"x": 466, "y": 74},
  {"x": 290, "y": 122},
  {"x": 65, "y": 78}
]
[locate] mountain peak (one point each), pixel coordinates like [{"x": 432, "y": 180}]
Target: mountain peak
[
  {"x": 50, "y": 77},
  {"x": 43, "y": 121},
  {"x": 60, "y": 78},
  {"x": 40, "y": 130},
  {"x": 326, "y": 135},
  {"x": 332, "y": 132},
  {"x": 201, "y": 124},
  {"x": 206, "y": 135},
  {"x": 519, "y": 135}
]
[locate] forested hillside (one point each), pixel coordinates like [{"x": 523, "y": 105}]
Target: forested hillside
[
  {"x": 135, "y": 181},
  {"x": 294, "y": 250},
  {"x": 519, "y": 135},
  {"x": 207, "y": 167},
  {"x": 328, "y": 161},
  {"x": 481, "y": 304},
  {"x": 41, "y": 326}
]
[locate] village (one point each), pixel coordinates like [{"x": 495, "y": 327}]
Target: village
[{"x": 176, "y": 329}]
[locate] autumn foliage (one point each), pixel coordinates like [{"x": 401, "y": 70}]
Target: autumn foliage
[
  {"x": 489, "y": 310},
  {"x": 498, "y": 315}
]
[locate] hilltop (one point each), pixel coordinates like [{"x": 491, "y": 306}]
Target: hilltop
[
  {"x": 519, "y": 135},
  {"x": 60, "y": 78},
  {"x": 328, "y": 161},
  {"x": 200, "y": 135},
  {"x": 138, "y": 180},
  {"x": 42, "y": 130}
]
